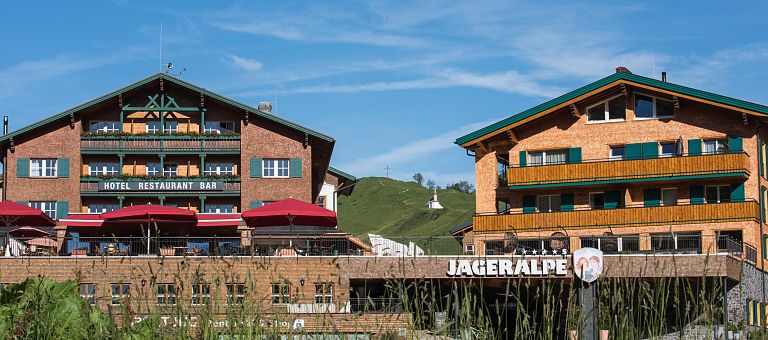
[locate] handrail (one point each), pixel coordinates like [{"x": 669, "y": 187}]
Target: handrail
[
  {"x": 597, "y": 160},
  {"x": 630, "y": 206}
]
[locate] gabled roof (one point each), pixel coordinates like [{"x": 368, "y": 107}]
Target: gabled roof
[
  {"x": 609, "y": 81},
  {"x": 339, "y": 173},
  {"x": 173, "y": 80},
  {"x": 459, "y": 228}
]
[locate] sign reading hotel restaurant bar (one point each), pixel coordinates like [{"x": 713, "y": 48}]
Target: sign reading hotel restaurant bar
[
  {"x": 523, "y": 266},
  {"x": 161, "y": 186}
]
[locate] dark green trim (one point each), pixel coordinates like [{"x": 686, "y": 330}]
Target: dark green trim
[
  {"x": 574, "y": 155},
  {"x": 164, "y": 109},
  {"x": 606, "y": 81},
  {"x": 165, "y": 179},
  {"x": 155, "y": 194},
  {"x": 694, "y": 147},
  {"x": 145, "y": 81},
  {"x": 115, "y": 152},
  {"x": 591, "y": 226},
  {"x": 629, "y": 180},
  {"x": 340, "y": 173},
  {"x": 159, "y": 136},
  {"x": 523, "y": 158}
]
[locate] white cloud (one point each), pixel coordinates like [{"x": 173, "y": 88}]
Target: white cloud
[{"x": 246, "y": 64}]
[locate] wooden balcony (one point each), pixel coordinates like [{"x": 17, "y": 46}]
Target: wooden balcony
[
  {"x": 623, "y": 171},
  {"x": 147, "y": 144},
  {"x": 622, "y": 217},
  {"x": 90, "y": 186}
]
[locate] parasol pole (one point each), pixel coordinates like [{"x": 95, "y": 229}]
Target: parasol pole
[
  {"x": 149, "y": 234},
  {"x": 290, "y": 229}
]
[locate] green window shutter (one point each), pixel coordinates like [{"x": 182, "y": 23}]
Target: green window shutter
[
  {"x": 632, "y": 151},
  {"x": 529, "y": 204},
  {"x": 523, "y": 158},
  {"x": 760, "y": 159},
  {"x": 762, "y": 204},
  {"x": 62, "y": 209},
  {"x": 735, "y": 144},
  {"x": 22, "y": 167},
  {"x": 737, "y": 192},
  {"x": 694, "y": 147},
  {"x": 697, "y": 194},
  {"x": 765, "y": 254},
  {"x": 23, "y": 202},
  {"x": 651, "y": 150},
  {"x": 574, "y": 155},
  {"x": 566, "y": 202},
  {"x": 612, "y": 199},
  {"x": 254, "y": 204},
  {"x": 62, "y": 167},
  {"x": 255, "y": 167},
  {"x": 294, "y": 168},
  {"x": 754, "y": 312},
  {"x": 652, "y": 197}
]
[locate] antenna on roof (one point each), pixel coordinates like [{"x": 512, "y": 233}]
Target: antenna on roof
[{"x": 161, "y": 46}]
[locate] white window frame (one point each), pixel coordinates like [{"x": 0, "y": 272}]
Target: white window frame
[
  {"x": 101, "y": 169},
  {"x": 153, "y": 129},
  {"x": 589, "y": 196},
  {"x": 469, "y": 249},
  {"x": 171, "y": 126},
  {"x": 123, "y": 293},
  {"x": 201, "y": 296},
  {"x": 48, "y": 207},
  {"x": 719, "y": 194},
  {"x": 613, "y": 157},
  {"x": 325, "y": 296},
  {"x": 663, "y": 155},
  {"x": 544, "y": 157},
  {"x": 283, "y": 293},
  {"x": 157, "y": 172},
  {"x": 43, "y": 167},
  {"x": 655, "y": 113},
  {"x": 219, "y": 129},
  {"x": 167, "y": 298},
  {"x": 549, "y": 199},
  {"x": 107, "y": 126},
  {"x": 219, "y": 208},
  {"x": 274, "y": 165},
  {"x": 234, "y": 295},
  {"x": 90, "y": 292},
  {"x": 661, "y": 199},
  {"x": 102, "y": 208},
  {"x": 219, "y": 169},
  {"x": 170, "y": 170},
  {"x": 718, "y": 143},
  {"x": 606, "y": 112},
  {"x": 322, "y": 200}
]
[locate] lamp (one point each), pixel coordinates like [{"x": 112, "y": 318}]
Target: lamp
[
  {"x": 143, "y": 282},
  {"x": 218, "y": 282},
  {"x": 301, "y": 281}
]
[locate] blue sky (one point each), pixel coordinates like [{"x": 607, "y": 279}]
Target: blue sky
[{"x": 394, "y": 82}]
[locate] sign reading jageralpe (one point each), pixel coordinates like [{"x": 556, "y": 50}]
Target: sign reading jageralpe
[
  {"x": 515, "y": 267},
  {"x": 161, "y": 186}
]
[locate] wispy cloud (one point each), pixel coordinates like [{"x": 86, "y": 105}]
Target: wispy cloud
[
  {"x": 409, "y": 152},
  {"x": 245, "y": 64}
]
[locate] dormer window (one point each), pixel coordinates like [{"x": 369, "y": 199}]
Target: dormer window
[{"x": 612, "y": 110}]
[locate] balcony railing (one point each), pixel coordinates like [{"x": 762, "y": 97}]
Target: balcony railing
[
  {"x": 608, "y": 171},
  {"x": 623, "y": 217},
  {"x": 131, "y": 144},
  {"x": 93, "y": 184}
]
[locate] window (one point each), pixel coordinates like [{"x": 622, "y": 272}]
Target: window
[
  {"x": 88, "y": 292},
  {"x": 324, "y": 292},
  {"x": 610, "y": 110},
  {"x": 102, "y": 208},
  {"x": 170, "y": 170},
  {"x": 201, "y": 293},
  {"x": 652, "y": 107},
  {"x": 104, "y": 126},
  {"x": 153, "y": 126},
  {"x": 618, "y": 152},
  {"x": 668, "y": 196},
  {"x": 321, "y": 201},
  {"x": 548, "y": 203},
  {"x": 214, "y": 126},
  {"x": 275, "y": 168},
  {"x": 715, "y": 146},
  {"x": 281, "y": 292},
  {"x": 48, "y": 207},
  {"x": 717, "y": 194},
  {"x": 596, "y": 200},
  {"x": 171, "y": 127},
  {"x": 613, "y": 243},
  {"x": 469, "y": 249},
  {"x": 103, "y": 169},
  {"x": 153, "y": 169},
  {"x": 548, "y": 157},
  {"x": 120, "y": 293},
  {"x": 667, "y": 149},
  {"x": 495, "y": 247},
  {"x": 42, "y": 167},
  {"x": 220, "y": 208},
  {"x": 235, "y": 293},
  {"x": 219, "y": 169},
  {"x": 166, "y": 294}
]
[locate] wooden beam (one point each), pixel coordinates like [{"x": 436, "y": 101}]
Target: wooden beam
[
  {"x": 624, "y": 89},
  {"x": 575, "y": 111},
  {"x": 306, "y": 140},
  {"x": 72, "y": 120},
  {"x": 120, "y": 100},
  {"x": 744, "y": 118},
  {"x": 512, "y": 137},
  {"x": 202, "y": 100},
  {"x": 161, "y": 85},
  {"x": 245, "y": 118},
  {"x": 676, "y": 103},
  {"x": 482, "y": 146},
  {"x": 13, "y": 144}
]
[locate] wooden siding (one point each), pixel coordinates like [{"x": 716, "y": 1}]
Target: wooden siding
[
  {"x": 678, "y": 214},
  {"x": 732, "y": 163},
  {"x": 150, "y": 145}
]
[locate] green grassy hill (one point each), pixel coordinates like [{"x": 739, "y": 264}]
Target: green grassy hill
[{"x": 394, "y": 208}]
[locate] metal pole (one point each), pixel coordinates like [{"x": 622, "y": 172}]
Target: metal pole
[{"x": 761, "y": 202}]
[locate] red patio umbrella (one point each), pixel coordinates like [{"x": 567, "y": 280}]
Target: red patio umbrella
[
  {"x": 290, "y": 212},
  {"x": 149, "y": 213},
  {"x": 12, "y": 213},
  {"x": 28, "y": 232}
]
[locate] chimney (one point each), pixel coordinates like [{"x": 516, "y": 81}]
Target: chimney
[
  {"x": 5, "y": 125},
  {"x": 664, "y": 76},
  {"x": 265, "y": 107},
  {"x": 622, "y": 69}
]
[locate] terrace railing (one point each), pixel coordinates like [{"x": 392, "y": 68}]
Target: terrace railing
[{"x": 140, "y": 144}]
